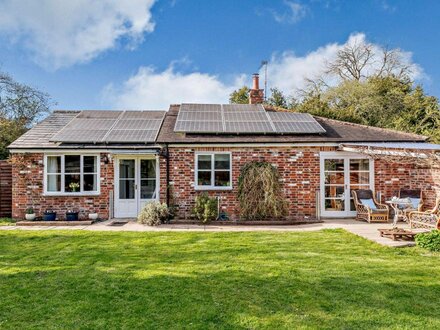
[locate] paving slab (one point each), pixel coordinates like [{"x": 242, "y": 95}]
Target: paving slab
[{"x": 363, "y": 229}]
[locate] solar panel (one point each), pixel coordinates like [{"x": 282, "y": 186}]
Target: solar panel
[
  {"x": 127, "y": 136},
  {"x": 299, "y": 127},
  {"x": 291, "y": 116},
  {"x": 112, "y": 126},
  {"x": 248, "y": 127},
  {"x": 243, "y": 107},
  {"x": 200, "y": 116},
  {"x": 199, "y": 126},
  {"x": 99, "y": 114},
  {"x": 200, "y": 107},
  {"x": 245, "y": 116},
  {"x": 132, "y": 124},
  {"x": 79, "y": 136}
]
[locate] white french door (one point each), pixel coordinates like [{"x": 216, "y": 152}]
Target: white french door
[
  {"x": 136, "y": 183},
  {"x": 340, "y": 174}
]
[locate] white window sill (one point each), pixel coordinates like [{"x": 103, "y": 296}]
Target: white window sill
[
  {"x": 207, "y": 188},
  {"x": 60, "y": 194}
]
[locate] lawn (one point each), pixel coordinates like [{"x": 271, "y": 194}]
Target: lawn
[
  {"x": 252, "y": 280},
  {"x": 7, "y": 222}
]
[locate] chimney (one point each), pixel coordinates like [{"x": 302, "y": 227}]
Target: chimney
[{"x": 256, "y": 95}]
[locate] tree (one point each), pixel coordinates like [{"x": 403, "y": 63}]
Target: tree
[
  {"x": 361, "y": 60},
  {"x": 240, "y": 96},
  {"x": 277, "y": 98},
  {"x": 21, "y": 106}
]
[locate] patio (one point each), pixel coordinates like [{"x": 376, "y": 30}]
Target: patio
[{"x": 363, "y": 229}]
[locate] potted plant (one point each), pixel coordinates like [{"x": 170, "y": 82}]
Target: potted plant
[
  {"x": 71, "y": 215},
  {"x": 74, "y": 186},
  {"x": 49, "y": 215},
  {"x": 93, "y": 216},
  {"x": 30, "y": 214}
]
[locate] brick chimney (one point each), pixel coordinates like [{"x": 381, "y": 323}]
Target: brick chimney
[{"x": 256, "y": 95}]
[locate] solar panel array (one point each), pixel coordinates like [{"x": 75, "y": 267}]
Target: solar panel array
[
  {"x": 112, "y": 127},
  {"x": 244, "y": 119}
]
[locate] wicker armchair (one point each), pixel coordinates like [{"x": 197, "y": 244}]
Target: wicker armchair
[
  {"x": 426, "y": 220},
  {"x": 411, "y": 194},
  {"x": 380, "y": 212}
]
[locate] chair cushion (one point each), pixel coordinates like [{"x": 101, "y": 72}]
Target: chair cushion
[
  {"x": 415, "y": 202},
  {"x": 368, "y": 202}
]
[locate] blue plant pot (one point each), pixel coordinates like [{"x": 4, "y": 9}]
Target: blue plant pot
[
  {"x": 50, "y": 216},
  {"x": 72, "y": 216}
]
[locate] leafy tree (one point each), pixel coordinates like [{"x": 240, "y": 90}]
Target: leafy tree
[
  {"x": 21, "y": 106},
  {"x": 277, "y": 98},
  {"x": 240, "y": 96}
]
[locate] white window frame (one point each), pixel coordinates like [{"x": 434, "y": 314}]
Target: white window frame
[
  {"x": 196, "y": 171},
  {"x": 63, "y": 174}
]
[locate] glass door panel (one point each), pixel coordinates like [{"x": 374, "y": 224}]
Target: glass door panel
[
  {"x": 359, "y": 177},
  {"x": 334, "y": 185},
  {"x": 127, "y": 179},
  {"x": 148, "y": 178}
]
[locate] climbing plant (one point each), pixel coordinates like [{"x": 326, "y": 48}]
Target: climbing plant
[{"x": 259, "y": 192}]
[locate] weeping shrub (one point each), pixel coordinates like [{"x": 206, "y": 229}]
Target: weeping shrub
[{"x": 259, "y": 192}]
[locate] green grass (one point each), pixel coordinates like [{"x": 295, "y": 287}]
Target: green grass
[
  {"x": 253, "y": 280},
  {"x": 7, "y": 222}
]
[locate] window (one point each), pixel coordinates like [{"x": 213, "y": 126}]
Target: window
[
  {"x": 213, "y": 171},
  {"x": 71, "y": 174}
]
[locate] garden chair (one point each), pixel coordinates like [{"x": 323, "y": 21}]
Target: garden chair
[
  {"x": 415, "y": 196},
  {"x": 426, "y": 220},
  {"x": 368, "y": 208}
]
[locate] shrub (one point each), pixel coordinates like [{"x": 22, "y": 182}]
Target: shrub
[
  {"x": 205, "y": 208},
  {"x": 430, "y": 241},
  {"x": 259, "y": 192},
  {"x": 30, "y": 210},
  {"x": 153, "y": 214}
]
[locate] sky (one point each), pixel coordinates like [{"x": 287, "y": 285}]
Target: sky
[{"x": 146, "y": 54}]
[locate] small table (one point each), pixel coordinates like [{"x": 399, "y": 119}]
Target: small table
[
  {"x": 398, "y": 212},
  {"x": 397, "y": 233}
]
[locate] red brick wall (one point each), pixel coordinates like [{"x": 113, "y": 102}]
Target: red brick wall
[
  {"x": 27, "y": 191},
  {"x": 298, "y": 168}
]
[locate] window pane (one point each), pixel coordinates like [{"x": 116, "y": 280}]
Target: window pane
[
  {"x": 72, "y": 183},
  {"x": 222, "y": 179},
  {"x": 148, "y": 168},
  {"x": 334, "y": 178},
  {"x": 53, "y": 182},
  {"x": 90, "y": 182},
  {"x": 126, "y": 189},
  {"x": 334, "y": 165},
  {"x": 359, "y": 164},
  {"x": 221, "y": 162},
  {"x": 359, "y": 177},
  {"x": 334, "y": 205},
  {"x": 204, "y": 162},
  {"x": 126, "y": 168},
  {"x": 72, "y": 163},
  {"x": 89, "y": 163},
  {"x": 204, "y": 178},
  {"x": 148, "y": 188},
  {"x": 54, "y": 164},
  {"x": 334, "y": 191}
]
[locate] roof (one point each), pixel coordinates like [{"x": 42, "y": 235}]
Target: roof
[
  {"x": 395, "y": 145},
  {"x": 42, "y": 135},
  {"x": 336, "y": 132}
]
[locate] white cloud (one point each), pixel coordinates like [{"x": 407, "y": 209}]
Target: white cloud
[
  {"x": 294, "y": 13},
  {"x": 288, "y": 71},
  {"x": 149, "y": 89},
  {"x": 63, "y": 33}
]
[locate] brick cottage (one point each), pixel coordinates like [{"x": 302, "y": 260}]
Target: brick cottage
[{"x": 113, "y": 162}]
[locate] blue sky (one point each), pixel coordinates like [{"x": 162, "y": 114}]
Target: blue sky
[{"x": 143, "y": 54}]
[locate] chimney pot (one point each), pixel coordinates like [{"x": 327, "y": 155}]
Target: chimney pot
[
  {"x": 255, "y": 81},
  {"x": 256, "y": 95}
]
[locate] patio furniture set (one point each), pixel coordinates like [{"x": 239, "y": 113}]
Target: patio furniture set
[{"x": 407, "y": 206}]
